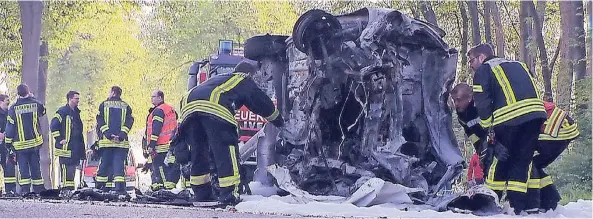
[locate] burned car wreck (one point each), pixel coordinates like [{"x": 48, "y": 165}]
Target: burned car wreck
[{"x": 364, "y": 95}]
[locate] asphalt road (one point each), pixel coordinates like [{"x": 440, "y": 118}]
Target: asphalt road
[{"x": 82, "y": 209}]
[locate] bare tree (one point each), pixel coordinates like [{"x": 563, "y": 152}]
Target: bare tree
[
  {"x": 487, "y": 16},
  {"x": 464, "y": 38},
  {"x": 428, "y": 13},
  {"x": 31, "y": 17},
  {"x": 543, "y": 55},
  {"x": 573, "y": 56},
  {"x": 525, "y": 27},
  {"x": 498, "y": 27},
  {"x": 472, "y": 6}
]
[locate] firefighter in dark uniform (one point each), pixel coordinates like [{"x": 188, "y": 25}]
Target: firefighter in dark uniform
[
  {"x": 66, "y": 129},
  {"x": 209, "y": 126},
  {"x": 556, "y": 133},
  {"x": 467, "y": 114},
  {"x": 23, "y": 135},
  {"x": 511, "y": 110},
  {"x": 8, "y": 162},
  {"x": 160, "y": 124},
  {"x": 114, "y": 121}
]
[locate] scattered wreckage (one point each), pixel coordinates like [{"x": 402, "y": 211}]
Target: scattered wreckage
[{"x": 364, "y": 96}]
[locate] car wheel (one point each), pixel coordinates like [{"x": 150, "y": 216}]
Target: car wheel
[
  {"x": 258, "y": 47},
  {"x": 315, "y": 29}
]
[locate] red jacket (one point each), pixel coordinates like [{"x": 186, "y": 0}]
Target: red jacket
[{"x": 475, "y": 171}]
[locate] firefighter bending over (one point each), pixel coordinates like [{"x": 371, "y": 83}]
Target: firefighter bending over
[
  {"x": 209, "y": 126},
  {"x": 66, "y": 129},
  {"x": 160, "y": 125},
  {"x": 23, "y": 135},
  {"x": 511, "y": 110},
  {"x": 114, "y": 121},
  {"x": 556, "y": 133}
]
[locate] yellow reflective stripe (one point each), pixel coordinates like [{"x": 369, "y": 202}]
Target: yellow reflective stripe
[
  {"x": 517, "y": 186},
  {"x": 35, "y": 125},
  {"x": 199, "y": 180},
  {"x": 274, "y": 115},
  {"x": 162, "y": 172},
  {"x": 101, "y": 178},
  {"x": 170, "y": 185},
  {"x": 125, "y": 129},
  {"x": 531, "y": 78},
  {"x": 546, "y": 181},
  {"x": 37, "y": 182},
  {"x": 23, "y": 181},
  {"x": 110, "y": 185},
  {"x": 68, "y": 131},
  {"x": 554, "y": 123},
  {"x": 566, "y": 134},
  {"x": 69, "y": 184},
  {"x": 490, "y": 182},
  {"x": 55, "y": 134},
  {"x": 504, "y": 83},
  {"x": 123, "y": 119},
  {"x": 474, "y": 138},
  {"x": 477, "y": 88},
  {"x": 154, "y": 137},
  {"x": 8, "y": 140},
  {"x": 104, "y": 128},
  {"x": 162, "y": 148},
  {"x": 533, "y": 183},
  {"x": 63, "y": 176},
  {"x": 157, "y": 118},
  {"x": 103, "y": 143},
  {"x": 119, "y": 179},
  {"x": 208, "y": 107},
  {"x": 235, "y": 178},
  {"x": 57, "y": 116},
  {"x": 9, "y": 179},
  {"x": 62, "y": 153},
  {"x": 515, "y": 110},
  {"x": 19, "y": 120},
  {"x": 10, "y": 120},
  {"x": 105, "y": 117},
  {"x": 226, "y": 86},
  {"x": 31, "y": 143}
]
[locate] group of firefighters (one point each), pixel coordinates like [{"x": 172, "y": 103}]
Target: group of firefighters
[
  {"x": 207, "y": 134},
  {"x": 514, "y": 132}
]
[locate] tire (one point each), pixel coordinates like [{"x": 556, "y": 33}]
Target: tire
[
  {"x": 316, "y": 28},
  {"x": 258, "y": 47}
]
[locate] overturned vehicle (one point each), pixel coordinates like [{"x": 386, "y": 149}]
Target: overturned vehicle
[{"x": 364, "y": 95}]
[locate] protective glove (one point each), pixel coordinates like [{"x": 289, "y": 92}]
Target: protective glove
[
  {"x": 500, "y": 152},
  {"x": 486, "y": 155},
  {"x": 145, "y": 153},
  {"x": 147, "y": 167},
  {"x": 11, "y": 156}
]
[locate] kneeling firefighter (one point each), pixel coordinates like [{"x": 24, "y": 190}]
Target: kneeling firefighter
[{"x": 208, "y": 126}]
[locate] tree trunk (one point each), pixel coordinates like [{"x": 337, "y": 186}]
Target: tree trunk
[
  {"x": 464, "y": 38},
  {"x": 31, "y": 37},
  {"x": 579, "y": 50},
  {"x": 565, "y": 77},
  {"x": 44, "y": 123},
  {"x": 487, "y": 30},
  {"x": 31, "y": 16},
  {"x": 525, "y": 29},
  {"x": 588, "y": 42},
  {"x": 428, "y": 13},
  {"x": 498, "y": 27},
  {"x": 539, "y": 39},
  {"x": 472, "y": 6}
]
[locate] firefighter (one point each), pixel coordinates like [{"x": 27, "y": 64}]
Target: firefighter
[
  {"x": 8, "y": 163},
  {"x": 511, "y": 110},
  {"x": 114, "y": 121},
  {"x": 66, "y": 129},
  {"x": 160, "y": 124},
  {"x": 467, "y": 114},
  {"x": 23, "y": 136},
  {"x": 209, "y": 126},
  {"x": 556, "y": 133}
]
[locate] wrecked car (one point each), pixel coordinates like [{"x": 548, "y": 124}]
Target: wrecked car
[{"x": 364, "y": 95}]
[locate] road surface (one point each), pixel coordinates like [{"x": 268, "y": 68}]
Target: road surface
[{"x": 82, "y": 209}]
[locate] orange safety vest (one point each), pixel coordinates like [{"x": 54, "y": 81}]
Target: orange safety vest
[{"x": 169, "y": 125}]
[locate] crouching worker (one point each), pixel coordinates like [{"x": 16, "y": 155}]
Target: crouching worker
[{"x": 208, "y": 126}]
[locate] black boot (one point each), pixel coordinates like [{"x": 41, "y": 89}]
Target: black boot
[{"x": 203, "y": 193}]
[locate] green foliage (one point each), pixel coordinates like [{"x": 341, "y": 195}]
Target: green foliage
[{"x": 572, "y": 172}]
